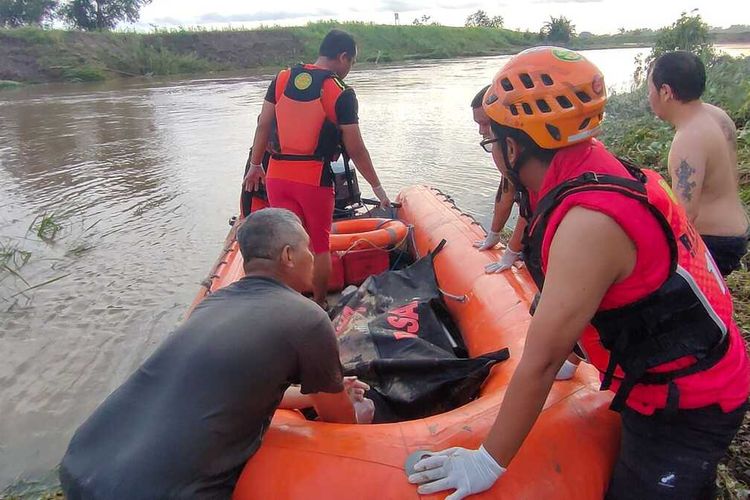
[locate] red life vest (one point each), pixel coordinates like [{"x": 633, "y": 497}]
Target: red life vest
[
  {"x": 306, "y": 140},
  {"x": 680, "y": 329}
]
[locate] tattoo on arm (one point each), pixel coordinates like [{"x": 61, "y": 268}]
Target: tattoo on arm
[
  {"x": 684, "y": 185},
  {"x": 727, "y": 126}
]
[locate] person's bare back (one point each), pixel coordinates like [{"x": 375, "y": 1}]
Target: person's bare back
[
  {"x": 703, "y": 156},
  {"x": 703, "y": 167}
]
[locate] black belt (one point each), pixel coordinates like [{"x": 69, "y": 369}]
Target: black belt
[{"x": 284, "y": 157}]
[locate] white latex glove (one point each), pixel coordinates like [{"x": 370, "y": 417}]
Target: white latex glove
[
  {"x": 566, "y": 371},
  {"x": 254, "y": 177},
  {"x": 355, "y": 388},
  {"x": 506, "y": 262},
  {"x": 364, "y": 410},
  {"x": 382, "y": 196},
  {"x": 490, "y": 241},
  {"x": 466, "y": 471}
]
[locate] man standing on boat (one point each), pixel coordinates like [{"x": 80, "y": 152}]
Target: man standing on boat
[
  {"x": 315, "y": 112},
  {"x": 608, "y": 245},
  {"x": 184, "y": 424},
  {"x": 703, "y": 156}
]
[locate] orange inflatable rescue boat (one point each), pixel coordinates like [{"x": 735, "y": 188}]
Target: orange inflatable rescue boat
[{"x": 570, "y": 452}]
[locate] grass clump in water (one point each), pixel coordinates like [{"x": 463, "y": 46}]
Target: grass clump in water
[{"x": 47, "y": 227}]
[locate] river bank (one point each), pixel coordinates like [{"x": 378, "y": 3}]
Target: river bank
[{"x": 33, "y": 55}]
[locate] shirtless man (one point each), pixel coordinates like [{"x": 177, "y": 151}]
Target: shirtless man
[{"x": 703, "y": 156}]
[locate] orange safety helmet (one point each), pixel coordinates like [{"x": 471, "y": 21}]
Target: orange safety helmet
[{"x": 555, "y": 95}]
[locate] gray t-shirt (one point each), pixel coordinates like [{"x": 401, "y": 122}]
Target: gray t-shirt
[{"x": 184, "y": 424}]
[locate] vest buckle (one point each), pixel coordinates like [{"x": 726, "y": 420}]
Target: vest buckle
[{"x": 591, "y": 177}]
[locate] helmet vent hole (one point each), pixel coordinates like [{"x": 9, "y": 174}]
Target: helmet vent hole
[
  {"x": 584, "y": 124},
  {"x": 583, "y": 96},
  {"x": 513, "y": 110},
  {"x": 547, "y": 80},
  {"x": 553, "y": 131},
  {"x": 526, "y": 80},
  {"x": 564, "y": 102},
  {"x": 527, "y": 109},
  {"x": 543, "y": 106},
  {"x": 507, "y": 86}
]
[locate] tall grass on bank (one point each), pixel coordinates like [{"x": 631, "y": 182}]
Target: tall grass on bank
[
  {"x": 78, "y": 56},
  {"x": 396, "y": 43}
]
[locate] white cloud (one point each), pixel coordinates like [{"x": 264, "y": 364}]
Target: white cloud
[{"x": 596, "y": 16}]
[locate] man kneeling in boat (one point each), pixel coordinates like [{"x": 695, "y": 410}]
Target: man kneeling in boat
[
  {"x": 608, "y": 245},
  {"x": 184, "y": 424}
]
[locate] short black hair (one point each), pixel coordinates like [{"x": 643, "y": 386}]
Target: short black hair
[
  {"x": 265, "y": 233},
  {"x": 683, "y": 71},
  {"x": 338, "y": 42},
  {"x": 530, "y": 148},
  {"x": 477, "y": 101}
]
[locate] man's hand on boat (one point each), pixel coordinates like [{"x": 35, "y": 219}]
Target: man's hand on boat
[
  {"x": 506, "y": 262},
  {"x": 492, "y": 239},
  {"x": 467, "y": 471},
  {"x": 254, "y": 177},
  {"x": 378, "y": 191}
]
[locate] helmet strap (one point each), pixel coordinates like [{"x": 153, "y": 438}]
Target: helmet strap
[{"x": 514, "y": 173}]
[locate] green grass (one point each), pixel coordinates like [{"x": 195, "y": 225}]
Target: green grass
[
  {"x": 75, "y": 56},
  {"x": 12, "y": 259},
  {"x": 35, "y": 35},
  {"x": 9, "y": 84},
  {"x": 84, "y": 74},
  {"x": 46, "y": 227},
  {"x": 144, "y": 59},
  {"x": 411, "y": 42}
]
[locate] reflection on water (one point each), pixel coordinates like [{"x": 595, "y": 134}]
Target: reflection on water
[{"x": 144, "y": 177}]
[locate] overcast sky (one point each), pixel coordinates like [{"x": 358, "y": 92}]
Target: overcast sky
[{"x": 597, "y": 16}]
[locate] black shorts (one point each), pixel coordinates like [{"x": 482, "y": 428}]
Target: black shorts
[
  {"x": 672, "y": 456},
  {"x": 727, "y": 251}
]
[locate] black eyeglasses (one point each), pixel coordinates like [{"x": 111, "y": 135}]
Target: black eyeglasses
[{"x": 486, "y": 144}]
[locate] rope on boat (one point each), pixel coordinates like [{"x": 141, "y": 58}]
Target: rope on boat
[{"x": 409, "y": 230}]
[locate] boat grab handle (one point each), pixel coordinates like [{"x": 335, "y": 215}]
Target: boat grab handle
[{"x": 457, "y": 298}]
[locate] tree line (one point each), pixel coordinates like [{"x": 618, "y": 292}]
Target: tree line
[
  {"x": 89, "y": 15},
  {"x": 557, "y": 29}
]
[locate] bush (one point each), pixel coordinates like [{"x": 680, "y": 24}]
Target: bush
[
  {"x": 84, "y": 74},
  {"x": 147, "y": 56},
  {"x": 35, "y": 35},
  {"x": 688, "y": 33},
  {"x": 9, "y": 84}
]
